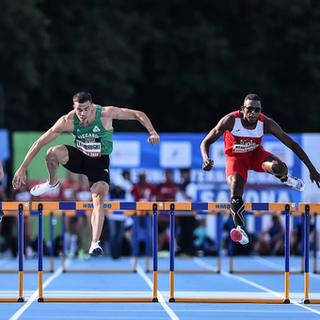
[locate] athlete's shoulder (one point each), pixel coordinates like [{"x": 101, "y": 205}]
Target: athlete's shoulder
[
  {"x": 261, "y": 117},
  {"x": 235, "y": 114},
  {"x": 227, "y": 122},
  {"x": 66, "y": 122},
  {"x": 110, "y": 111}
]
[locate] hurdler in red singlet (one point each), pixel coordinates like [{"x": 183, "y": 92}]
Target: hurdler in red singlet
[
  {"x": 242, "y": 146},
  {"x": 242, "y": 132}
]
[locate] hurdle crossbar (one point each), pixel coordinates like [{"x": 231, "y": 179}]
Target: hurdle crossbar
[
  {"x": 251, "y": 206},
  {"x": 20, "y": 207},
  {"x": 154, "y": 298}
]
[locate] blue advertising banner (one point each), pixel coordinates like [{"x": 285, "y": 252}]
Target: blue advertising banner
[
  {"x": 5, "y": 151},
  {"x": 175, "y": 151}
]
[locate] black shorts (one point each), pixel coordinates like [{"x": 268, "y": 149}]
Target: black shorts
[{"x": 96, "y": 169}]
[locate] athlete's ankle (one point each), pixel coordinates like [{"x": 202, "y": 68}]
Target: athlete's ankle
[{"x": 237, "y": 210}]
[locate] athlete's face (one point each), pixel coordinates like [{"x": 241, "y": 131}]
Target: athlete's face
[
  {"x": 84, "y": 111},
  {"x": 251, "y": 110}
]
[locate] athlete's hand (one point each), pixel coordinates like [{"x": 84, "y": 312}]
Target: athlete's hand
[
  {"x": 207, "y": 164},
  {"x": 1, "y": 173},
  {"x": 154, "y": 138},
  {"x": 315, "y": 177},
  {"x": 19, "y": 178}
]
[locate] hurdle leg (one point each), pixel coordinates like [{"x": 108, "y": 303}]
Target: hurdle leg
[
  {"x": 155, "y": 252},
  {"x": 21, "y": 248},
  {"x": 52, "y": 243},
  {"x": 171, "y": 298},
  {"x": 306, "y": 300},
  {"x": 40, "y": 253}
]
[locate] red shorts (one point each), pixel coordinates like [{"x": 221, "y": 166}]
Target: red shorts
[{"x": 244, "y": 162}]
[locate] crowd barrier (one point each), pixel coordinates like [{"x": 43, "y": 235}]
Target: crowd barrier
[{"x": 288, "y": 209}]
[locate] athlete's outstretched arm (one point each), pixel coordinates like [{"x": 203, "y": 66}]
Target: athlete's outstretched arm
[
  {"x": 130, "y": 114},
  {"x": 226, "y": 123},
  {"x": 272, "y": 127},
  {"x": 62, "y": 125}
]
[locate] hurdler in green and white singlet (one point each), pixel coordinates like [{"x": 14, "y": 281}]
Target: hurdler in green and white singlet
[{"x": 95, "y": 140}]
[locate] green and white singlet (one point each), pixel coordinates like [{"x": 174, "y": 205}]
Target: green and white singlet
[{"x": 95, "y": 140}]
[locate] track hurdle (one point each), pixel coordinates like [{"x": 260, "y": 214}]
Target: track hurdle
[
  {"x": 226, "y": 206},
  {"x": 108, "y": 206},
  {"x": 70, "y": 208},
  {"x": 21, "y": 207},
  {"x": 306, "y": 208},
  {"x": 191, "y": 206},
  {"x": 276, "y": 208}
]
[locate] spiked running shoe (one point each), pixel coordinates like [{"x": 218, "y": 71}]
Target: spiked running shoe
[
  {"x": 294, "y": 183},
  {"x": 239, "y": 235},
  {"x": 95, "y": 249},
  {"x": 42, "y": 188}
]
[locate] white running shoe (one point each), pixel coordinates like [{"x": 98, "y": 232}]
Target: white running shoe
[
  {"x": 1, "y": 215},
  {"x": 42, "y": 188},
  {"x": 239, "y": 235},
  {"x": 95, "y": 249},
  {"x": 295, "y": 183}
]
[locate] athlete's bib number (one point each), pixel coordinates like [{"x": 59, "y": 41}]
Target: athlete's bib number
[
  {"x": 90, "y": 146},
  {"x": 244, "y": 146}
]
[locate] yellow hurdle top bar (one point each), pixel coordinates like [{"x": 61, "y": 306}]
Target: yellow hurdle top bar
[
  {"x": 312, "y": 206},
  {"x": 178, "y": 206},
  {"x": 14, "y": 205}
]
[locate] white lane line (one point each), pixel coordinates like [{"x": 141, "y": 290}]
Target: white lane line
[
  {"x": 170, "y": 312},
  {"x": 253, "y": 284},
  {"x": 35, "y": 294}
]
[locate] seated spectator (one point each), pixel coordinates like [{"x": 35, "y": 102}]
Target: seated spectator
[
  {"x": 202, "y": 243},
  {"x": 23, "y": 194},
  {"x": 68, "y": 191},
  {"x": 83, "y": 221},
  {"x": 143, "y": 191},
  {"x": 271, "y": 240},
  {"x": 116, "y": 221},
  {"x": 187, "y": 192}
]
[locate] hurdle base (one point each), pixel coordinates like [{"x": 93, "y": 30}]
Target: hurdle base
[
  {"x": 98, "y": 271},
  {"x": 96, "y": 300},
  {"x": 263, "y": 271},
  {"x": 155, "y": 300},
  {"x": 305, "y": 301},
  {"x": 187, "y": 271},
  {"x": 11, "y": 300},
  {"x": 172, "y": 300},
  {"x": 231, "y": 300}
]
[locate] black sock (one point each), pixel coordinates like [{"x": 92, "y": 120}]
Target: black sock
[{"x": 237, "y": 211}]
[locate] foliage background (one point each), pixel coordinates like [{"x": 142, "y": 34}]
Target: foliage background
[{"x": 185, "y": 63}]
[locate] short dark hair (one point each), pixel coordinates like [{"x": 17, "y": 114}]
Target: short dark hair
[
  {"x": 82, "y": 97},
  {"x": 252, "y": 96}
]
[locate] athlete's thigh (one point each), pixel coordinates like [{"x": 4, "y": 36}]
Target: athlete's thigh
[
  {"x": 237, "y": 165},
  {"x": 97, "y": 169},
  {"x": 76, "y": 160},
  {"x": 260, "y": 159}
]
